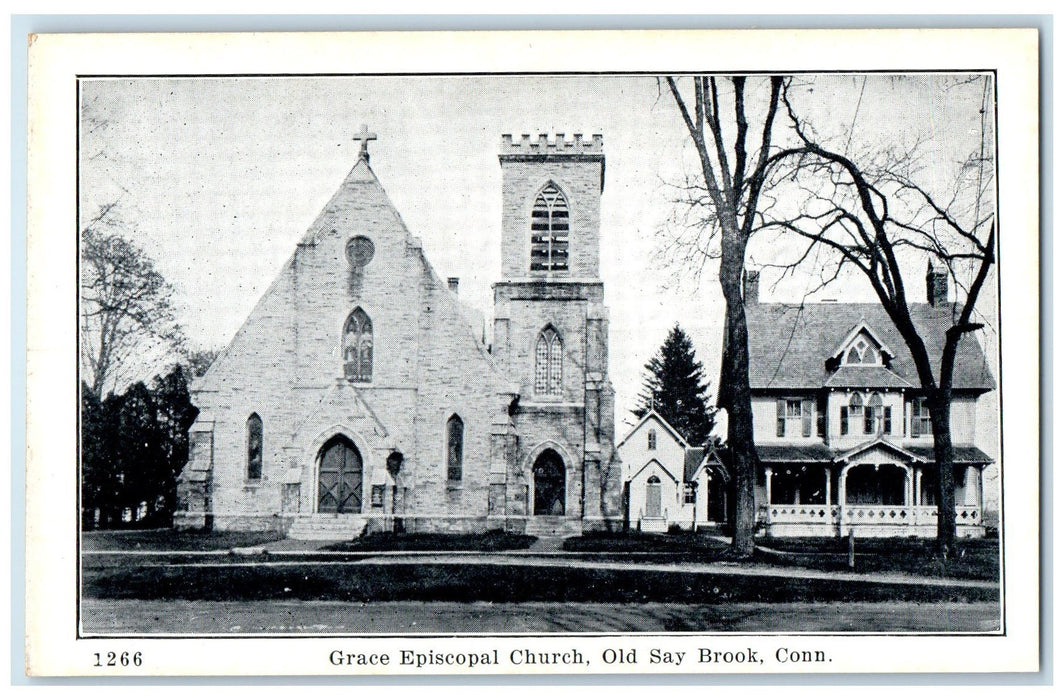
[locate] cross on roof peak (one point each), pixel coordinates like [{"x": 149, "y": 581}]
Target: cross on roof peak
[{"x": 364, "y": 136}]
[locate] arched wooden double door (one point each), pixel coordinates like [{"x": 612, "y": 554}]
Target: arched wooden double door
[
  {"x": 548, "y": 475},
  {"x": 339, "y": 477}
]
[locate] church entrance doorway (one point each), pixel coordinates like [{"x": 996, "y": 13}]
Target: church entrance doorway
[
  {"x": 548, "y": 475},
  {"x": 339, "y": 477},
  {"x": 716, "y": 500},
  {"x": 653, "y": 497}
]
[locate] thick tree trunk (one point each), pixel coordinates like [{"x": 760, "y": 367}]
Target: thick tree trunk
[
  {"x": 735, "y": 388},
  {"x": 939, "y": 409}
]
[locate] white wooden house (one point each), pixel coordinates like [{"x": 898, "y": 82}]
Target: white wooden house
[
  {"x": 840, "y": 424},
  {"x": 668, "y": 482}
]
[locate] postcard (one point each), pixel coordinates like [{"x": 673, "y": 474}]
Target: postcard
[{"x": 494, "y": 353}]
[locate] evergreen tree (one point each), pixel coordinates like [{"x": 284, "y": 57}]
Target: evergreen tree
[
  {"x": 133, "y": 446},
  {"x": 674, "y": 385}
]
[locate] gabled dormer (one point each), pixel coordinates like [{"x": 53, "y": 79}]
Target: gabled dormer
[
  {"x": 863, "y": 361},
  {"x": 860, "y": 347}
]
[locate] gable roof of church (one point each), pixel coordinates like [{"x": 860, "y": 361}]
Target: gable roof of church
[
  {"x": 660, "y": 419},
  {"x": 360, "y": 198},
  {"x": 790, "y": 345}
]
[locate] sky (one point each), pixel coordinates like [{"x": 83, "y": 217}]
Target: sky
[{"x": 218, "y": 178}]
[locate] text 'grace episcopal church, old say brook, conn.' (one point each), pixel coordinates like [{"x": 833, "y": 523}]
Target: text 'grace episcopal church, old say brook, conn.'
[{"x": 361, "y": 389}]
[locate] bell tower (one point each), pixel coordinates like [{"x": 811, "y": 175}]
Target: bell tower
[{"x": 551, "y": 326}]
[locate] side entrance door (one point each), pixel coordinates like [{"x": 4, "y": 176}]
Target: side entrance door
[
  {"x": 653, "y": 497},
  {"x": 340, "y": 477}
]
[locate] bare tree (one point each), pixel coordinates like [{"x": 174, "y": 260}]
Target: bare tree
[
  {"x": 125, "y": 306},
  {"x": 199, "y": 361},
  {"x": 879, "y": 216},
  {"x": 733, "y": 162}
]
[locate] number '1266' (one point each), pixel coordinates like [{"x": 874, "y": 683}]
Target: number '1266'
[{"x": 115, "y": 659}]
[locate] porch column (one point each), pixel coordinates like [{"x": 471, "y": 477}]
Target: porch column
[
  {"x": 842, "y": 499},
  {"x": 768, "y": 486},
  {"x": 917, "y": 488},
  {"x": 827, "y": 486},
  {"x": 971, "y": 486},
  {"x": 908, "y": 495}
]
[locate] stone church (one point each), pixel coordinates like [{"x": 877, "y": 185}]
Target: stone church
[{"x": 363, "y": 392}]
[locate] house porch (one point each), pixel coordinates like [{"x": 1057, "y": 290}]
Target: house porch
[{"x": 888, "y": 499}]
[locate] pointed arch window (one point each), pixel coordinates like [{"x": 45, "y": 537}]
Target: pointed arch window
[
  {"x": 455, "y": 439},
  {"x": 550, "y": 230},
  {"x": 877, "y": 416},
  {"x": 549, "y": 363},
  {"x": 254, "y": 435},
  {"x": 358, "y": 347},
  {"x": 851, "y": 410}
]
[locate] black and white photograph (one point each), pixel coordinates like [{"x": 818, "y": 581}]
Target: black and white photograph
[{"x": 467, "y": 368}]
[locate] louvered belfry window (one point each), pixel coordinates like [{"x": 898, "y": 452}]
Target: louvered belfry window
[
  {"x": 550, "y": 231},
  {"x": 549, "y": 363}
]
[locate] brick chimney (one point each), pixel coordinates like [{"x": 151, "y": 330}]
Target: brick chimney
[
  {"x": 452, "y": 284},
  {"x": 750, "y": 285},
  {"x": 937, "y": 286}
]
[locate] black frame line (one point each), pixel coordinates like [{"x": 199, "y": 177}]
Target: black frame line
[{"x": 1002, "y": 598}]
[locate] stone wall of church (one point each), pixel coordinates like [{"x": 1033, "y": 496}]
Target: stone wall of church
[
  {"x": 244, "y": 380},
  {"x": 286, "y": 365},
  {"x": 524, "y": 318},
  {"x": 455, "y": 377},
  {"x": 581, "y": 183}
]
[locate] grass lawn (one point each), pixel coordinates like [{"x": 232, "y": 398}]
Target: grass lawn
[
  {"x": 975, "y": 559},
  {"x": 466, "y": 582},
  {"x": 492, "y": 541},
  {"x": 620, "y": 542},
  {"x": 161, "y": 540}
]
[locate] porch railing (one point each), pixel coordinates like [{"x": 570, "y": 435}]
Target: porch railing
[
  {"x": 802, "y": 514},
  {"x": 866, "y": 514}
]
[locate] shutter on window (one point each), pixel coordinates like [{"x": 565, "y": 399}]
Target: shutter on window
[
  {"x": 781, "y": 417},
  {"x": 807, "y": 418},
  {"x": 844, "y": 420}
]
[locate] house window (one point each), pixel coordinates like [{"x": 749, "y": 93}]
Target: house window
[
  {"x": 850, "y": 411},
  {"x": 921, "y": 422},
  {"x": 358, "y": 347},
  {"x": 455, "y": 436},
  {"x": 549, "y": 363},
  {"x": 873, "y": 415},
  {"x": 550, "y": 230},
  {"x": 254, "y": 431},
  {"x": 798, "y": 413},
  {"x": 652, "y": 440},
  {"x": 689, "y": 492}
]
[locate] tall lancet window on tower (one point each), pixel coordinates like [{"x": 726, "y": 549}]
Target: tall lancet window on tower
[
  {"x": 550, "y": 230},
  {"x": 549, "y": 363},
  {"x": 358, "y": 347}
]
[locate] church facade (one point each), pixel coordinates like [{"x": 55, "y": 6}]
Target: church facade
[{"x": 362, "y": 392}]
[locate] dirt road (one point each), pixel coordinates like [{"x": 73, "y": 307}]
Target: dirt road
[{"x": 274, "y": 617}]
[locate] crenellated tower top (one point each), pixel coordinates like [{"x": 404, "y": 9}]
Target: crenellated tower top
[{"x": 543, "y": 145}]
